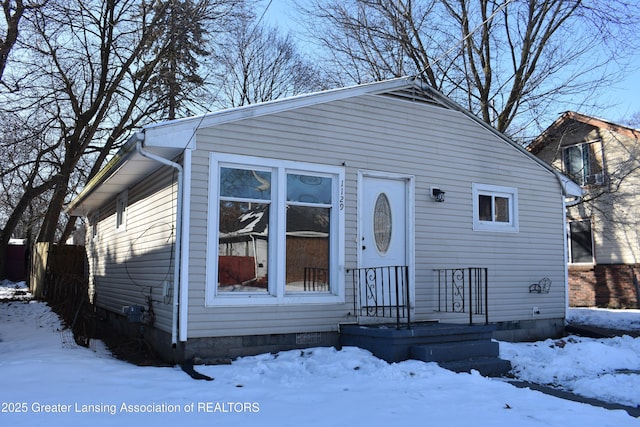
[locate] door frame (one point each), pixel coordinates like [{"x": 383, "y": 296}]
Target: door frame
[{"x": 409, "y": 181}]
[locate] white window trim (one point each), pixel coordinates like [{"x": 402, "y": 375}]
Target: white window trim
[
  {"x": 510, "y": 193},
  {"x": 583, "y": 175},
  {"x": 277, "y": 257},
  {"x": 122, "y": 200}
]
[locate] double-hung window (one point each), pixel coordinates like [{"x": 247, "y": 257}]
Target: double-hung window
[
  {"x": 274, "y": 232},
  {"x": 581, "y": 163},
  {"x": 495, "y": 208}
]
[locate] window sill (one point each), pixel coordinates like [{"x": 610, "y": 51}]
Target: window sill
[
  {"x": 581, "y": 266},
  {"x": 495, "y": 228},
  {"x": 269, "y": 300}
]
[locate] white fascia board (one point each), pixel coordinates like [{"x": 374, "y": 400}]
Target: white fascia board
[
  {"x": 174, "y": 134},
  {"x": 170, "y": 132}
]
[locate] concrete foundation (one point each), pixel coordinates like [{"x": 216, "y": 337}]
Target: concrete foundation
[
  {"x": 529, "y": 330},
  {"x": 214, "y": 350}
]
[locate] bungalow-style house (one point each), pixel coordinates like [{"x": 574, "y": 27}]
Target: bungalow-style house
[
  {"x": 277, "y": 225},
  {"x": 604, "y": 245}
]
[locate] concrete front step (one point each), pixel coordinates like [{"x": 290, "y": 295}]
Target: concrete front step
[
  {"x": 487, "y": 366},
  {"x": 451, "y": 351}
]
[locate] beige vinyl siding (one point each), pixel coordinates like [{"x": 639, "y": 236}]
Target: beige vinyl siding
[
  {"x": 130, "y": 265},
  {"x": 439, "y": 147},
  {"x": 615, "y": 217}
]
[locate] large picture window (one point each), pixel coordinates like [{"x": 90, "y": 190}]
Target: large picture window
[
  {"x": 495, "y": 208},
  {"x": 277, "y": 226}
]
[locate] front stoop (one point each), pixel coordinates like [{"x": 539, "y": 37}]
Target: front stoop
[{"x": 459, "y": 348}]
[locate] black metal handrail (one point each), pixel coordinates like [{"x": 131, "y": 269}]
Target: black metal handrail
[
  {"x": 382, "y": 292},
  {"x": 316, "y": 279},
  {"x": 463, "y": 290}
]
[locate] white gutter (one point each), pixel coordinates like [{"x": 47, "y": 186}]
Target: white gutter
[
  {"x": 178, "y": 251},
  {"x": 569, "y": 188}
]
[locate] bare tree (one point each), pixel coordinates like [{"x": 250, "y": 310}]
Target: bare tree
[
  {"x": 259, "y": 64},
  {"x": 13, "y": 11},
  {"x": 88, "y": 70},
  {"x": 633, "y": 121},
  {"x": 28, "y": 161},
  {"x": 506, "y": 60}
]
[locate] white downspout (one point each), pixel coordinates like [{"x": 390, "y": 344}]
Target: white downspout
[
  {"x": 566, "y": 258},
  {"x": 577, "y": 198},
  {"x": 178, "y": 242}
]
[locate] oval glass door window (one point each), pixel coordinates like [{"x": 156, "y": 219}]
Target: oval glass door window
[{"x": 382, "y": 223}]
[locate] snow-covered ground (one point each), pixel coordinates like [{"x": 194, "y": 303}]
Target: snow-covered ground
[{"x": 45, "y": 379}]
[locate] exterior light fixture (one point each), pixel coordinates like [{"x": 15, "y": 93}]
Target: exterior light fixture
[{"x": 437, "y": 194}]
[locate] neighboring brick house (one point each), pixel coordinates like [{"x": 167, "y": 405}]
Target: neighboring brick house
[{"x": 604, "y": 228}]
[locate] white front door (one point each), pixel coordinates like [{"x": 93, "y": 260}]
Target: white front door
[
  {"x": 383, "y": 232},
  {"x": 384, "y": 244}
]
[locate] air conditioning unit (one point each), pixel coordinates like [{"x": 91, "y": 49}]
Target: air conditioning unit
[{"x": 595, "y": 179}]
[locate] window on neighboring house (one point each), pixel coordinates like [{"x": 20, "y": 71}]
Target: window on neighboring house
[
  {"x": 580, "y": 242},
  {"x": 495, "y": 208},
  {"x": 121, "y": 211},
  {"x": 581, "y": 163},
  {"x": 277, "y": 230}
]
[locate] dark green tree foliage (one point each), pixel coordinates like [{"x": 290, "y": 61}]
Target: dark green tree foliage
[{"x": 183, "y": 36}]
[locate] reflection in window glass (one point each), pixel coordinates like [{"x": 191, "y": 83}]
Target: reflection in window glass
[
  {"x": 307, "y": 246},
  {"x": 581, "y": 241},
  {"x": 245, "y": 184},
  {"x": 243, "y": 247},
  {"x": 308, "y": 189},
  {"x": 484, "y": 208},
  {"x": 502, "y": 209}
]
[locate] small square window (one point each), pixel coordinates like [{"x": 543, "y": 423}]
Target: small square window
[{"x": 495, "y": 208}]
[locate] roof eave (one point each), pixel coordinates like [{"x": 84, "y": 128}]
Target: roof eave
[{"x": 118, "y": 160}]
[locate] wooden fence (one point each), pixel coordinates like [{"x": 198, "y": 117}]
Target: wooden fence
[{"x": 59, "y": 276}]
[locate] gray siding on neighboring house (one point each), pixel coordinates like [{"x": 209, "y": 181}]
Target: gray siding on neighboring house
[
  {"x": 439, "y": 147},
  {"x": 128, "y": 266}
]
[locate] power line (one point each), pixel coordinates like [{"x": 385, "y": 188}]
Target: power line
[
  {"x": 215, "y": 96},
  {"x": 464, "y": 39}
]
